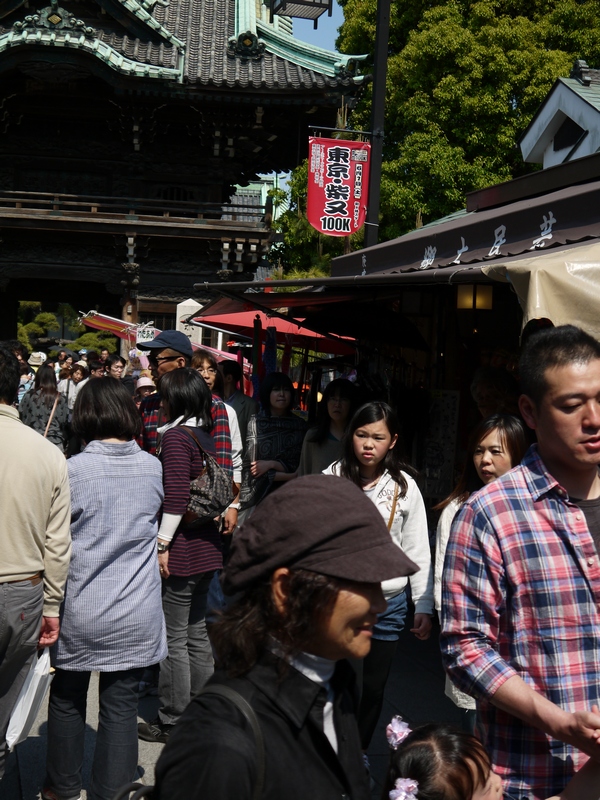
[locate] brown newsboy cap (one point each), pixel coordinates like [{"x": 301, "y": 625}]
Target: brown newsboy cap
[{"x": 321, "y": 523}]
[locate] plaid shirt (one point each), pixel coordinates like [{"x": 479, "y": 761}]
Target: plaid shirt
[
  {"x": 152, "y": 418},
  {"x": 521, "y": 593}
]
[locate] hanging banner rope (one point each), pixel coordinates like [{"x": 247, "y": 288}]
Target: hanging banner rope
[{"x": 338, "y": 180}]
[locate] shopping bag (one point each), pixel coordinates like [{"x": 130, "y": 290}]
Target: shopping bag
[{"x": 30, "y": 699}]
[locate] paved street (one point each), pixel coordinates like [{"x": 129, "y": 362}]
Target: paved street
[{"x": 415, "y": 691}]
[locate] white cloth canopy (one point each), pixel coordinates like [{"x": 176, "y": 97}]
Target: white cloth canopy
[{"x": 561, "y": 285}]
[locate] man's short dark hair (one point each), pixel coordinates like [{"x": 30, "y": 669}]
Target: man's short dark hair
[
  {"x": 230, "y": 367},
  {"x": 94, "y": 366},
  {"x": 9, "y": 375},
  {"x": 105, "y": 410},
  {"x": 553, "y": 347}
]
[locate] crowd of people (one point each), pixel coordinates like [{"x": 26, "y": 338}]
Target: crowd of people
[{"x": 270, "y": 627}]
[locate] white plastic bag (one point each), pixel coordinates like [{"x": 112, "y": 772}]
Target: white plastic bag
[{"x": 30, "y": 699}]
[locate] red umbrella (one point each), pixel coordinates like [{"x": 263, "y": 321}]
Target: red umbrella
[{"x": 287, "y": 332}]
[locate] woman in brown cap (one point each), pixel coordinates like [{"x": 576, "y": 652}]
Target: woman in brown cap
[{"x": 306, "y": 570}]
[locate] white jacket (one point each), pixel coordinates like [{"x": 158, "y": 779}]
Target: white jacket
[
  {"x": 409, "y": 532},
  {"x": 458, "y": 697}
]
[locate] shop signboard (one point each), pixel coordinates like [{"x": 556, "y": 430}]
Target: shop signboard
[
  {"x": 338, "y": 180},
  {"x": 145, "y": 334}
]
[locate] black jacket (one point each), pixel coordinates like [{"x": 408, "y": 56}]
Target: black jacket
[{"x": 211, "y": 754}]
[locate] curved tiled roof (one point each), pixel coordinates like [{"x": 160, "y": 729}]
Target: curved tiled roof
[{"x": 219, "y": 43}]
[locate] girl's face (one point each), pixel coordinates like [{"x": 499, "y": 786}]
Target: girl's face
[
  {"x": 144, "y": 391},
  {"x": 371, "y": 444},
  {"x": 338, "y": 408},
  {"x": 492, "y": 789},
  {"x": 116, "y": 369},
  {"x": 491, "y": 457},
  {"x": 279, "y": 400}
]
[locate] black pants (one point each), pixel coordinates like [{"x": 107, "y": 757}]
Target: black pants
[{"x": 375, "y": 671}]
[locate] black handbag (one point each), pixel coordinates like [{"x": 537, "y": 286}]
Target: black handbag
[{"x": 211, "y": 492}]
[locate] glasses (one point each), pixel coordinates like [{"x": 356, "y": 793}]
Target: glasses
[
  {"x": 207, "y": 371},
  {"x": 160, "y": 359}
]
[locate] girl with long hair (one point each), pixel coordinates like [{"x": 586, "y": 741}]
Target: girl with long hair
[
  {"x": 273, "y": 442},
  {"x": 44, "y": 409},
  {"x": 188, "y": 553},
  {"x": 372, "y": 461},
  {"x": 323, "y": 443},
  {"x": 496, "y": 445}
]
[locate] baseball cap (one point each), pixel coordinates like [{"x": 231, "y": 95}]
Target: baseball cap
[
  {"x": 174, "y": 340},
  {"x": 321, "y": 523}
]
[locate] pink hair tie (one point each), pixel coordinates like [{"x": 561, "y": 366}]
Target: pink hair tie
[
  {"x": 405, "y": 789},
  {"x": 396, "y": 733}
]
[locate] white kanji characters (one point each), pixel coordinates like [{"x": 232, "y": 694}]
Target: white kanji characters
[
  {"x": 463, "y": 249},
  {"x": 428, "y": 257},
  {"x": 500, "y": 234},
  {"x": 546, "y": 231}
]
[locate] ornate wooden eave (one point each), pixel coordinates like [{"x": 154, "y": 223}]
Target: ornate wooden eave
[{"x": 216, "y": 44}]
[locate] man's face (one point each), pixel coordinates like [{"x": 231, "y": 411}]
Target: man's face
[
  {"x": 104, "y": 355},
  {"x": 97, "y": 373},
  {"x": 567, "y": 420},
  {"x": 163, "y": 361}
]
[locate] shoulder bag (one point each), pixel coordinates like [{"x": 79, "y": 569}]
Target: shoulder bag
[
  {"x": 51, "y": 416},
  {"x": 211, "y": 492}
]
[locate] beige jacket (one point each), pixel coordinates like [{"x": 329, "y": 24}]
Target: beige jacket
[{"x": 35, "y": 509}]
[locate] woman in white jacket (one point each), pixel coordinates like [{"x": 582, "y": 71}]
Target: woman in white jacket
[
  {"x": 496, "y": 445},
  {"x": 372, "y": 461}
]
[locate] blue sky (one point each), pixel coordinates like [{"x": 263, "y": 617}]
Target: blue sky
[{"x": 326, "y": 33}]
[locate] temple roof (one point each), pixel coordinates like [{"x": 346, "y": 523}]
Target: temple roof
[{"x": 227, "y": 44}]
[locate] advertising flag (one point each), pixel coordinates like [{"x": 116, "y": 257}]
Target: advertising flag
[{"x": 338, "y": 180}]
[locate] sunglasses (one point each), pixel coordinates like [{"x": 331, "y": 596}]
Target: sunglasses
[{"x": 160, "y": 359}]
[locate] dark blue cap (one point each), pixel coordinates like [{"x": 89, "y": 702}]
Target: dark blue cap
[{"x": 174, "y": 340}]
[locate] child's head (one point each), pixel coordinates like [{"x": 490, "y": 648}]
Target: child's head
[
  {"x": 371, "y": 445},
  {"x": 444, "y": 762}
]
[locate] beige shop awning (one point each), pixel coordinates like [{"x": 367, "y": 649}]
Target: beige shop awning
[{"x": 562, "y": 286}]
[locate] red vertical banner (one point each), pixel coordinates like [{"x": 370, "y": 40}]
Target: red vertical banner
[{"x": 338, "y": 180}]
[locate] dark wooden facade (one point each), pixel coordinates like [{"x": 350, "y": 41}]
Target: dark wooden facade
[{"x": 125, "y": 127}]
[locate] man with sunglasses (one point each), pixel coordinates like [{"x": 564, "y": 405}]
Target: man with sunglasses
[{"x": 168, "y": 351}]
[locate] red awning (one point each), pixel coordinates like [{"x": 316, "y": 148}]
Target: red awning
[{"x": 287, "y": 332}]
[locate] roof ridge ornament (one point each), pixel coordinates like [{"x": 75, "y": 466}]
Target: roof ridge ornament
[
  {"x": 246, "y": 45},
  {"x": 581, "y": 72},
  {"x": 53, "y": 17}
]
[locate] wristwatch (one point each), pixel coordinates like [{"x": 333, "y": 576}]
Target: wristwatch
[{"x": 162, "y": 548}]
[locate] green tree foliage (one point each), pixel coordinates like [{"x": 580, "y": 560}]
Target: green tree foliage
[
  {"x": 304, "y": 252},
  {"x": 37, "y": 329},
  {"x": 96, "y": 340},
  {"x": 33, "y": 323},
  {"x": 464, "y": 80}
]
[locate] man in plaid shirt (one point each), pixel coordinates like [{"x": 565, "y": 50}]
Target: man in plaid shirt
[
  {"x": 521, "y": 586},
  {"x": 173, "y": 350}
]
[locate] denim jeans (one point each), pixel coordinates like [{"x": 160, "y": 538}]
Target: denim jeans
[
  {"x": 190, "y": 661},
  {"x": 20, "y": 621},
  {"x": 116, "y": 751}
]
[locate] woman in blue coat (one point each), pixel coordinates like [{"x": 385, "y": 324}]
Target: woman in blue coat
[{"x": 111, "y": 619}]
